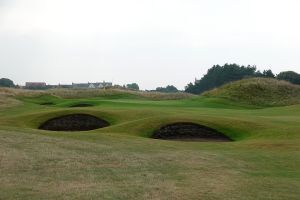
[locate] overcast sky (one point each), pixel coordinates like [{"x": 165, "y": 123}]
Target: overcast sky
[{"x": 151, "y": 42}]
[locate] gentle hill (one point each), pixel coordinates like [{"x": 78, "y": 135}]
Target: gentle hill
[{"x": 259, "y": 91}]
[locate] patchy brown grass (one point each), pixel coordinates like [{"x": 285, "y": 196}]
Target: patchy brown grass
[
  {"x": 7, "y": 98},
  {"x": 12, "y": 92},
  {"x": 87, "y": 93},
  {"x": 50, "y": 168}
]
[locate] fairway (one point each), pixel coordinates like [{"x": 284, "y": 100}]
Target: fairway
[
  {"x": 149, "y": 100},
  {"x": 122, "y": 161}
]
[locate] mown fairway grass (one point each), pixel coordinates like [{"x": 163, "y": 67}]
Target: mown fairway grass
[{"x": 122, "y": 162}]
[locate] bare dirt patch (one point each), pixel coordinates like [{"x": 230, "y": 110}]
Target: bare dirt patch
[
  {"x": 186, "y": 131},
  {"x": 74, "y": 122}
]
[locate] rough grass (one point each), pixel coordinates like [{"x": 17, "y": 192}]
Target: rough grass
[
  {"x": 259, "y": 91},
  {"x": 12, "y": 92},
  {"x": 117, "y": 94},
  {"x": 90, "y": 93},
  {"x": 8, "y": 102},
  {"x": 122, "y": 162},
  {"x": 6, "y": 98}
]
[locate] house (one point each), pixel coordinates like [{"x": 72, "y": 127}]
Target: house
[
  {"x": 35, "y": 84},
  {"x": 103, "y": 84},
  {"x": 100, "y": 85},
  {"x": 91, "y": 85},
  {"x": 64, "y": 86},
  {"x": 80, "y": 85}
]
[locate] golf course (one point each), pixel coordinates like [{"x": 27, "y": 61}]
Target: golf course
[{"x": 121, "y": 159}]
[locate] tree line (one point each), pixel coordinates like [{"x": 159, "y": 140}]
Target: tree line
[
  {"x": 215, "y": 77},
  {"x": 5, "y": 82},
  {"x": 219, "y": 75}
]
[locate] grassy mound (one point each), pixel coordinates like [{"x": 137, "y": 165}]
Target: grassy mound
[{"x": 259, "y": 91}]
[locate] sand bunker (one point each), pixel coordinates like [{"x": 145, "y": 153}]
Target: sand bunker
[
  {"x": 190, "y": 132},
  {"x": 74, "y": 122}
]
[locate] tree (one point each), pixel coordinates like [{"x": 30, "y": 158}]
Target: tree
[
  {"x": 5, "y": 82},
  {"x": 133, "y": 86},
  {"x": 219, "y": 75},
  {"x": 290, "y": 76},
  {"x": 168, "y": 89},
  {"x": 268, "y": 74}
]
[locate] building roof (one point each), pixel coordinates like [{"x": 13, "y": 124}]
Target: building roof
[
  {"x": 91, "y": 85},
  {"x": 35, "y": 83}
]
